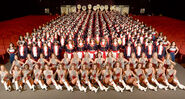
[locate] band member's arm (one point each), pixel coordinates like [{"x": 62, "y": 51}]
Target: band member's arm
[{"x": 177, "y": 51}]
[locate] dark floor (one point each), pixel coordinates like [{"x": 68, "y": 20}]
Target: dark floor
[{"x": 54, "y": 94}]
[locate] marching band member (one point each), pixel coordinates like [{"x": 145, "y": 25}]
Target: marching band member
[
  {"x": 128, "y": 50},
  {"x": 70, "y": 48},
  {"x": 104, "y": 47},
  {"x": 92, "y": 48},
  {"x": 35, "y": 51},
  {"x": 22, "y": 51},
  {"x": 160, "y": 50},
  {"x": 139, "y": 50},
  {"x": 62, "y": 75},
  {"x": 56, "y": 49},
  {"x": 49, "y": 76},
  {"x": 115, "y": 48},
  {"x": 80, "y": 48},
  {"x": 149, "y": 50},
  {"x": 37, "y": 72},
  {"x": 5, "y": 80},
  {"x": 46, "y": 51},
  {"x": 26, "y": 72}
]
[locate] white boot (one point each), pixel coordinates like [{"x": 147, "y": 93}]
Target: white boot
[
  {"x": 55, "y": 84},
  {"x": 169, "y": 85},
  {"x": 159, "y": 85},
  {"x": 121, "y": 89},
  {"x": 16, "y": 85},
  {"x": 99, "y": 83},
  {"x": 29, "y": 84},
  {"x": 115, "y": 86},
  {"x": 40, "y": 83},
  {"x": 181, "y": 86},
  {"x": 141, "y": 87},
  {"x": 150, "y": 86},
  {"x": 69, "y": 88},
  {"x": 5, "y": 86},
  {"x": 127, "y": 87},
  {"x": 79, "y": 85},
  {"x": 60, "y": 87}
]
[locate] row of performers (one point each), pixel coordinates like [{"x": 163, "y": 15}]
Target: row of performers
[
  {"x": 119, "y": 78},
  {"x": 93, "y": 49}
]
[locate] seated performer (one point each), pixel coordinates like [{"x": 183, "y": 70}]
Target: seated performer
[
  {"x": 74, "y": 78},
  {"x": 38, "y": 79},
  {"x": 94, "y": 76},
  {"x": 5, "y": 78},
  {"x": 130, "y": 78},
  {"x": 142, "y": 77},
  {"x": 49, "y": 77},
  {"x": 27, "y": 79},
  {"x": 172, "y": 79},
  {"x": 107, "y": 78},
  {"x": 62, "y": 75},
  {"x": 17, "y": 78},
  {"x": 118, "y": 77},
  {"x": 84, "y": 72},
  {"x": 161, "y": 77}
]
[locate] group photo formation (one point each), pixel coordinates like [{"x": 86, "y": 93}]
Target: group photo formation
[{"x": 93, "y": 48}]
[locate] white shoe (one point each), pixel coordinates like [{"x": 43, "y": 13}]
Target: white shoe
[
  {"x": 60, "y": 87},
  {"x": 106, "y": 89}
]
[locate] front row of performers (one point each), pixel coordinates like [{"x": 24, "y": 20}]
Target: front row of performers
[{"x": 98, "y": 74}]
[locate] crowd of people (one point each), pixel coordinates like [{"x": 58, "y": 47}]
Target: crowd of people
[{"x": 95, "y": 50}]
